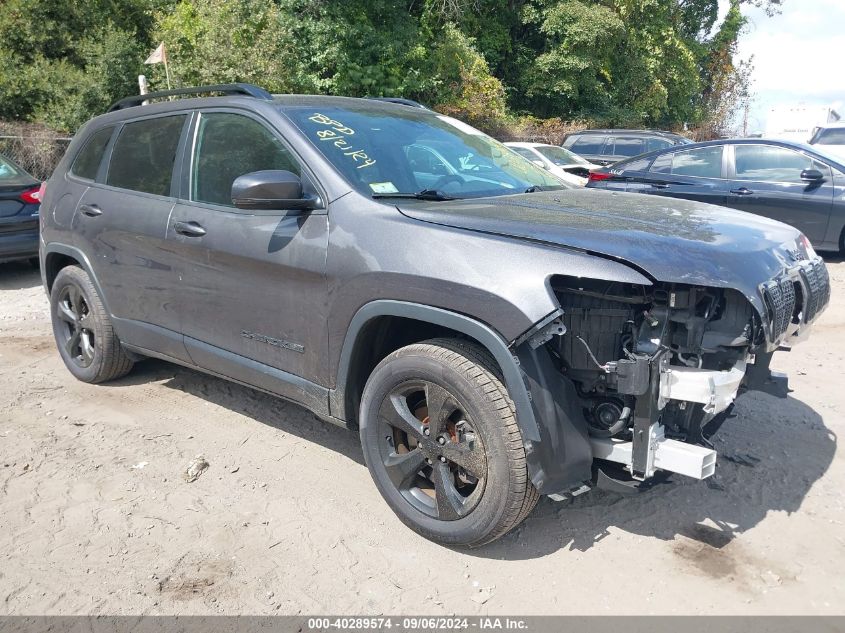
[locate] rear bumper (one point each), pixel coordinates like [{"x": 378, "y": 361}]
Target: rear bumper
[{"x": 18, "y": 237}]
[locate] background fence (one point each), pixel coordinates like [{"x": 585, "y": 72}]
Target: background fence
[{"x": 35, "y": 148}]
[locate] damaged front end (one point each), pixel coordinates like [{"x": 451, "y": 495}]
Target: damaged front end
[{"x": 651, "y": 372}]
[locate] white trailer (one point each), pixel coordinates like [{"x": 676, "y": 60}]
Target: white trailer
[{"x": 798, "y": 122}]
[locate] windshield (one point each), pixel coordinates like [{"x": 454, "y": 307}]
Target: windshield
[
  {"x": 560, "y": 156},
  {"x": 383, "y": 151},
  {"x": 830, "y": 136}
]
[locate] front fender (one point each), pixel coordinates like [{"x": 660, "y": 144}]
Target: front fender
[{"x": 554, "y": 435}]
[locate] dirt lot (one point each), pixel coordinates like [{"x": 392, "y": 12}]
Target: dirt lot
[{"x": 96, "y": 517}]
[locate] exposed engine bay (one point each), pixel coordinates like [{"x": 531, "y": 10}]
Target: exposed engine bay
[{"x": 656, "y": 368}]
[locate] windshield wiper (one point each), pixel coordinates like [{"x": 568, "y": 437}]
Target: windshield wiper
[
  {"x": 424, "y": 194},
  {"x": 534, "y": 189}
]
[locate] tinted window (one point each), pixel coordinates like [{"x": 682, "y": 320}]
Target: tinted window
[
  {"x": 636, "y": 165},
  {"x": 654, "y": 144},
  {"x": 662, "y": 164},
  {"x": 628, "y": 147},
  {"x": 773, "y": 164},
  {"x": 231, "y": 145},
  {"x": 561, "y": 156},
  {"x": 705, "y": 162},
  {"x": 87, "y": 162},
  {"x": 830, "y": 136},
  {"x": 143, "y": 156},
  {"x": 590, "y": 144},
  {"x": 524, "y": 151},
  {"x": 11, "y": 174}
]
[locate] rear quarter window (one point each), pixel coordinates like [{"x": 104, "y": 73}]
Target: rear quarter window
[
  {"x": 87, "y": 162},
  {"x": 144, "y": 154},
  {"x": 640, "y": 164},
  {"x": 9, "y": 172}
]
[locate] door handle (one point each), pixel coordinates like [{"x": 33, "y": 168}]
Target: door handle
[
  {"x": 91, "y": 210},
  {"x": 660, "y": 185},
  {"x": 191, "y": 229},
  {"x": 742, "y": 191}
]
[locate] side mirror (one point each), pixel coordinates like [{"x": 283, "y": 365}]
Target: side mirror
[
  {"x": 539, "y": 163},
  {"x": 812, "y": 175},
  {"x": 271, "y": 189}
]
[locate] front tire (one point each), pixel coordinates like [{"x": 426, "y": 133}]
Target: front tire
[
  {"x": 442, "y": 444},
  {"x": 83, "y": 330}
]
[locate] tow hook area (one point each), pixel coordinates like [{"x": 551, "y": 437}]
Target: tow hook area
[{"x": 693, "y": 461}]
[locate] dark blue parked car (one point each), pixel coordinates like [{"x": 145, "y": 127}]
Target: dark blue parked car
[
  {"x": 790, "y": 182},
  {"x": 20, "y": 199}
]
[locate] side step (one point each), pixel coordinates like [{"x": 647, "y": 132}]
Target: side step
[{"x": 677, "y": 457}]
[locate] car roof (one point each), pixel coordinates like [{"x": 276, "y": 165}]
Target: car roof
[
  {"x": 660, "y": 133},
  {"x": 279, "y": 102},
  {"x": 527, "y": 144},
  {"x": 811, "y": 149}
]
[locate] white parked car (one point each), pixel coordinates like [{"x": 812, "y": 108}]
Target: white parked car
[
  {"x": 830, "y": 139},
  {"x": 567, "y": 166}
]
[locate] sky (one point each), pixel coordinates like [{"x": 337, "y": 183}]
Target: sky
[{"x": 799, "y": 56}]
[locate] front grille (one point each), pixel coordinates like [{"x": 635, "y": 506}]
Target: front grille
[
  {"x": 780, "y": 298},
  {"x": 817, "y": 282}
]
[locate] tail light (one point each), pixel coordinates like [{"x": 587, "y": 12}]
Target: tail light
[
  {"x": 596, "y": 176},
  {"x": 33, "y": 196}
]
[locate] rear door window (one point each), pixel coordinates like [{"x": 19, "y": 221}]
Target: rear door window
[
  {"x": 144, "y": 154},
  {"x": 230, "y": 145},
  {"x": 588, "y": 144},
  {"x": 628, "y": 146},
  {"x": 87, "y": 162},
  {"x": 705, "y": 162},
  {"x": 654, "y": 144}
]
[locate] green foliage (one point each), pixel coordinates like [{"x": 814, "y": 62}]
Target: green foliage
[
  {"x": 629, "y": 62},
  {"x": 63, "y": 60}
]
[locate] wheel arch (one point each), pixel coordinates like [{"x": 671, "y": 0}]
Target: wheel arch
[
  {"x": 58, "y": 256},
  {"x": 380, "y": 327}
]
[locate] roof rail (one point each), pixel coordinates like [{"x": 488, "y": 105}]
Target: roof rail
[
  {"x": 407, "y": 102},
  {"x": 229, "y": 89}
]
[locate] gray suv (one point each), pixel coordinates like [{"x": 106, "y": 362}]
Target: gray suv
[{"x": 492, "y": 334}]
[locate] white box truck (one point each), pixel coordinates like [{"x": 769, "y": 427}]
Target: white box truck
[{"x": 798, "y": 122}]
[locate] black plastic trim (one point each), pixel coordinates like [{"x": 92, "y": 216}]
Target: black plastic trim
[
  {"x": 555, "y": 435},
  {"x": 227, "y": 89}
]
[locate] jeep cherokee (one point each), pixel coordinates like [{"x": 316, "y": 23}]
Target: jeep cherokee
[{"x": 492, "y": 334}]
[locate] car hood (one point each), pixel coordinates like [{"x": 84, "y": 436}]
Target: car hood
[{"x": 671, "y": 240}]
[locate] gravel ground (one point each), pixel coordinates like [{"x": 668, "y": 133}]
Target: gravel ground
[{"x": 96, "y": 516}]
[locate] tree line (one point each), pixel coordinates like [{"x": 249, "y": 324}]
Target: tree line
[{"x": 656, "y": 63}]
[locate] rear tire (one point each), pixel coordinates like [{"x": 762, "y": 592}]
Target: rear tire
[
  {"x": 442, "y": 444},
  {"x": 83, "y": 331}
]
